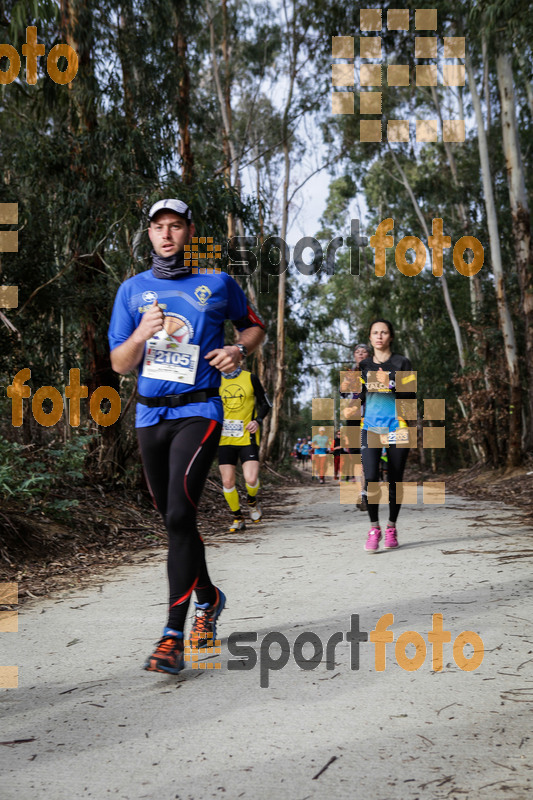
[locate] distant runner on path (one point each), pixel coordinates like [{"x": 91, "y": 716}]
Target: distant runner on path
[
  {"x": 351, "y": 390},
  {"x": 321, "y": 443},
  {"x": 305, "y": 450},
  {"x": 168, "y": 324},
  {"x": 246, "y": 404}
]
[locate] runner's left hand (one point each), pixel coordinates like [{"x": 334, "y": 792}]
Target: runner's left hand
[
  {"x": 252, "y": 426},
  {"x": 225, "y": 359}
]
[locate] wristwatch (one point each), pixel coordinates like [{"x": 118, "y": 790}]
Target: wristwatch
[{"x": 242, "y": 350}]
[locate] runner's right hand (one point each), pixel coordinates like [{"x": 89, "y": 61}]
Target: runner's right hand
[{"x": 151, "y": 323}]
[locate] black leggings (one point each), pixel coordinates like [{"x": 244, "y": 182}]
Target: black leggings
[
  {"x": 177, "y": 454},
  {"x": 370, "y": 456}
]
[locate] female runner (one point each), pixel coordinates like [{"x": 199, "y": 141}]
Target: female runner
[{"x": 386, "y": 377}]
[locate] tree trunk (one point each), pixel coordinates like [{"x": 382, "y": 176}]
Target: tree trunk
[
  {"x": 183, "y": 99},
  {"x": 76, "y": 24},
  {"x": 444, "y": 283},
  {"x": 477, "y": 449},
  {"x": 476, "y": 296},
  {"x": 279, "y": 379},
  {"x": 125, "y": 33},
  {"x": 224, "y": 102},
  {"x": 514, "y": 455},
  {"x": 227, "y": 104},
  {"x": 486, "y": 81},
  {"x": 77, "y": 29},
  {"x": 521, "y": 221},
  {"x": 525, "y": 75},
  {"x": 279, "y": 383}
]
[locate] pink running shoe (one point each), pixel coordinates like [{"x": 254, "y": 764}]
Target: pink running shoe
[
  {"x": 390, "y": 538},
  {"x": 372, "y": 542}
]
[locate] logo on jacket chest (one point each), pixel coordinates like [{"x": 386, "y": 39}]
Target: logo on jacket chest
[{"x": 202, "y": 293}]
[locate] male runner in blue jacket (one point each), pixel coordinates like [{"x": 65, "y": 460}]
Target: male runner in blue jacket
[{"x": 168, "y": 324}]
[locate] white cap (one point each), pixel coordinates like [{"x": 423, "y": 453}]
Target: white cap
[
  {"x": 321, "y": 429},
  {"x": 177, "y": 206}
]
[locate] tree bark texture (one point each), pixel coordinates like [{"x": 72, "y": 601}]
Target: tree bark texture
[
  {"x": 521, "y": 220},
  {"x": 514, "y": 455}
]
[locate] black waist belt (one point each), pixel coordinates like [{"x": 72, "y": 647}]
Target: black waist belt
[{"x": 176, "y": 400}]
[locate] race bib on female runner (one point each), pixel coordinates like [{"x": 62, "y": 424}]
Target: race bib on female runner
[{"x": 399, "y": 436}]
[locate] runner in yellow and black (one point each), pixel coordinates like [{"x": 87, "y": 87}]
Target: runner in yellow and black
[{"x": 246, "y": 404}]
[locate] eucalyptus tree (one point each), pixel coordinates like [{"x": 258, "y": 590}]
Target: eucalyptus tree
[{"x": 507, "y": 29}]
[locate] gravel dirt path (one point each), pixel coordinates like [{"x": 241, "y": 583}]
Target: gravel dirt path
[{"x": 86, "y": 721}]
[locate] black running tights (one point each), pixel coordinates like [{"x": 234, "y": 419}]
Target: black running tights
[
  {"x": 176, "y": 455},
  {"x": 370, "y": 456}
]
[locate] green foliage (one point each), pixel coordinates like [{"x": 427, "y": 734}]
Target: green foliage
[
  {"x": 84, "y": 163},
  {"x": 31, "y": 480}
]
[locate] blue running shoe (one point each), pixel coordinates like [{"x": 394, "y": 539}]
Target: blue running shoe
[
  {"x": 204, "y": 629},
  {"x": 168, "y": 654}
]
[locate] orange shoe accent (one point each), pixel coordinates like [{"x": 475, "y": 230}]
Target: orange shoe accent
[
  {"x": 203, "y": 631},
  {"x": 167, "y": 656}
]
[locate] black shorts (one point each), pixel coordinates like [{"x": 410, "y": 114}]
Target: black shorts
[{"x": 230, "y": 453}]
